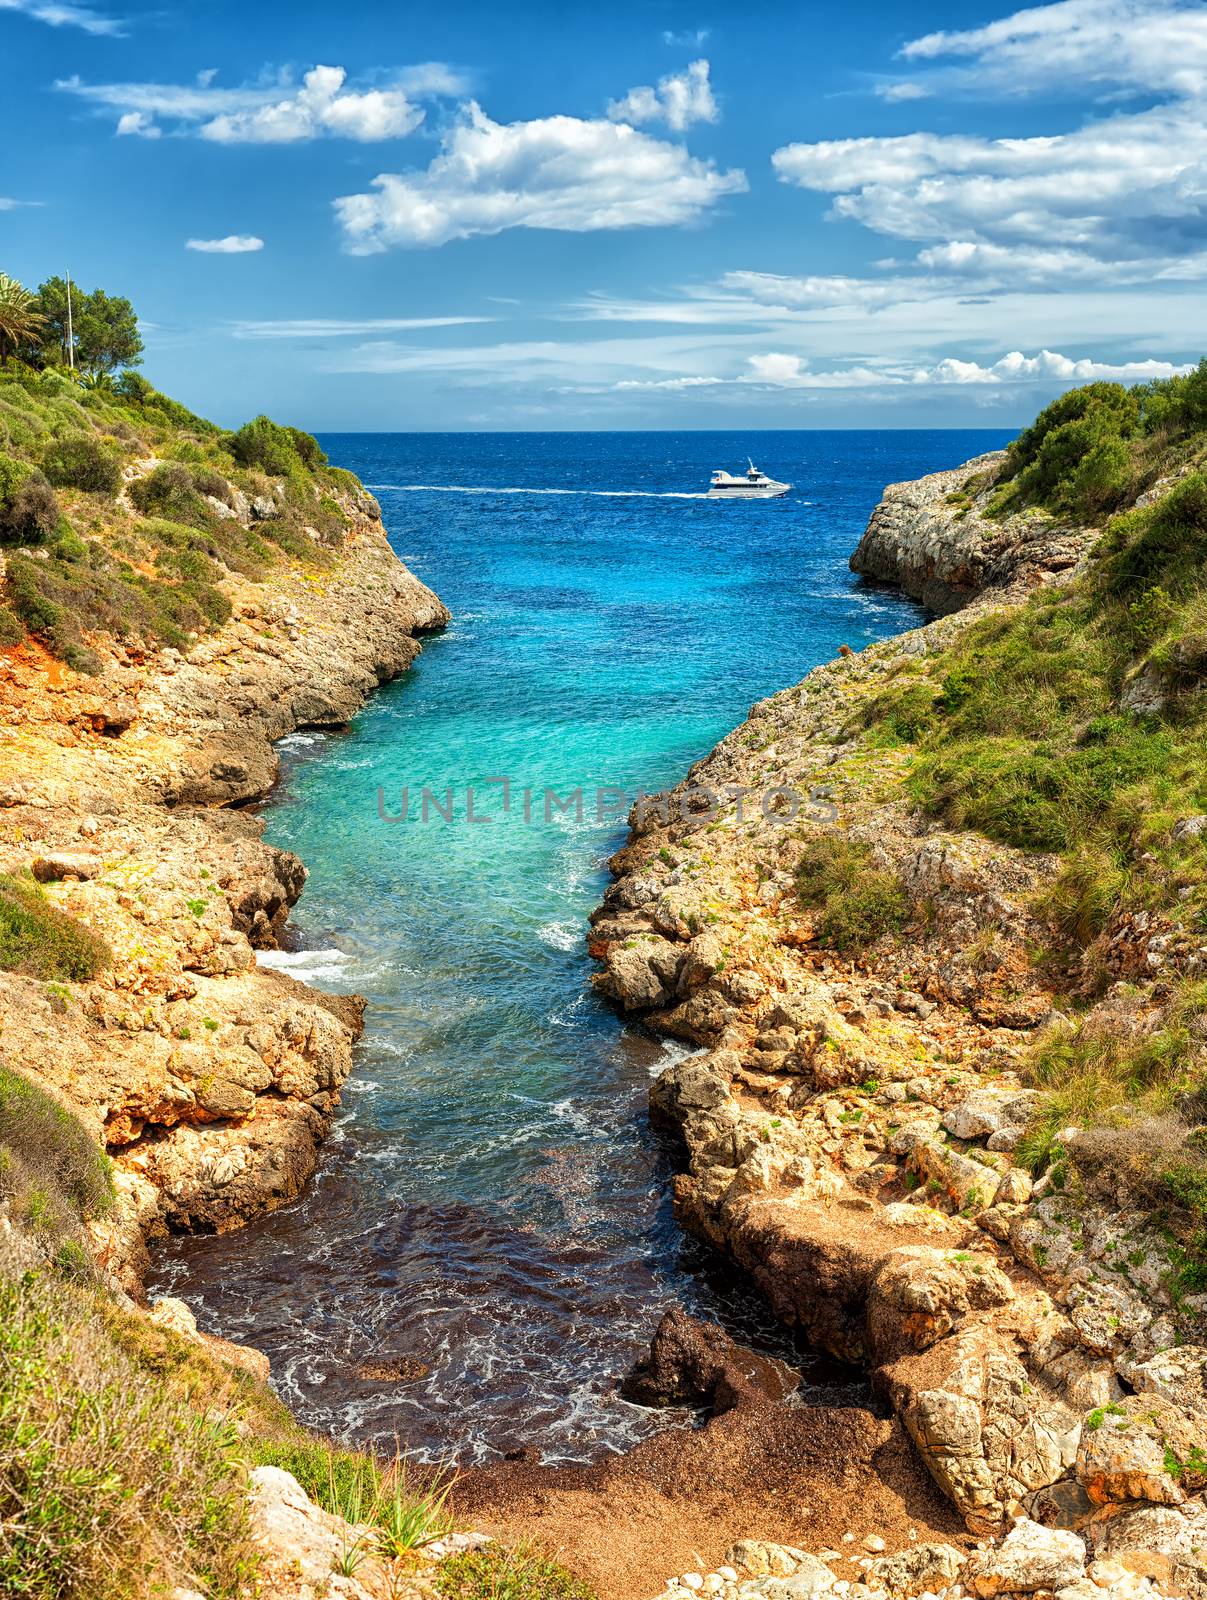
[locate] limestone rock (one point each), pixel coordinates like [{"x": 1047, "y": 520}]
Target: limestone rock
[
  {"x": 918, "y": 1568},
  {"x": 1142, "y": 1448},
  {"x": 1167, "y": 1543},
  {"x": 1029, "y": 1558}
]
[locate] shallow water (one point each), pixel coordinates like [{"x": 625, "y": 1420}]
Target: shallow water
[{"x": 492, "y": 1204}]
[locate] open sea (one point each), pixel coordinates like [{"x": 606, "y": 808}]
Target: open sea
[{"x": 492, "y": 1210}]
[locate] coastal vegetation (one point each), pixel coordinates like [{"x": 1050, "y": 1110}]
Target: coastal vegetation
[
  {"x": 125, "y": 512},
  {"x": 38, "y": 939},
  {"x": 1095, "y": 449},
  {"x": 1076, "y": 724}
]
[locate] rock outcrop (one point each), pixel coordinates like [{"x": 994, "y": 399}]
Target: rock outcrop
[
  {"x": 208, "y": 1077},
  {"x": 850, "y": 1126},
  {"x": 926, "y": 538}
]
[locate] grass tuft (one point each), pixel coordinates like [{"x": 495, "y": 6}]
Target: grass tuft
[{"x": 40, "y": 941}]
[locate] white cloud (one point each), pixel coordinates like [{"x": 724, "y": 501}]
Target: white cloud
[
  {"x": 1121, "y": 198},
  {"x": 321, "y": 105},
  {"x": 336, "y": 327},
  {"x": 667, "y": 383},
  {"x": 680, "y": 99},
  {"x": 893, "y": 92},
  {"x": 1146, "y": 45},
  {"x": 66, "y": 16},
  {"x": 1126, "y": 189},
  {"x": 689, "y": 39},
  {"x": 779, "y": 370},
  {"x": 139, "y": 123},
  {"x": 234, "y": 244},
  {"x": 563, "y": 173},
  {"x": 276, "y": 110}
]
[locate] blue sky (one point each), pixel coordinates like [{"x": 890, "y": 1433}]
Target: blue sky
[{"x": 658, "y": 214}]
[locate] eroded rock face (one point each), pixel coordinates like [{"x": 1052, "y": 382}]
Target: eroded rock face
[
  {"x": 926, "y": 537},
  {"x": 1142, "y": 1448},
  {"x": 210, "y": 1077}
]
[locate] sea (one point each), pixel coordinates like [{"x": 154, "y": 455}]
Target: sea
[{"x": 490, "y": 1226}]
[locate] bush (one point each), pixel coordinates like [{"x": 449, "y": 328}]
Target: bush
[
  {"x": 262, "y": 443},
  {"x": 38, "y": 1128},
  {"x": 31, "y": 513},
  {"x": 169, "y": 491},
  {"x": 12, "y": 629},
  {"x": 496, "y": 1573},
  {"x": 81, "y": 461},
  {"x": 857, "y": 901},
  {"x": 40, "y": 941},
  {"x": 308, "y": 449}
]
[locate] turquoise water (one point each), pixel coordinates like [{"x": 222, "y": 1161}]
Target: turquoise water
[{"x": 492, "y": 1205}]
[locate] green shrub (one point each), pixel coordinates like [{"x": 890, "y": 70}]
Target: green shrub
[
  {"x": 38, "y": 1128},
  {"x": 31, "y": 512},
  {"x": 40, "y": 941},
  {"x": 857, "y": 902},
  {"x": 169, "y": 491},
  {"x": 308, "y": 449},
  {"x": 12, "y": 629},
  {"x": 497, "y": 1573},
  {"x": 263, "y": 443},
  {"x": 81, "y": 461}
]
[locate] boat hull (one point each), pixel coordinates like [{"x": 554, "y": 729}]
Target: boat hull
[{"x": 764, "y": 491}]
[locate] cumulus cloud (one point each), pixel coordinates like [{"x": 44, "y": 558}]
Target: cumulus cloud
[
  {"x": 680, "y": 99},
  {"x": 667, "y": 383},
  {"x": 1127, "y": 188},
  {"x": 1125, "y": 192},
  {"x": 66, "y": 16},
  {"x": 778, "y": 370},
  {"x": 564, "y": 173},
  {"x": 275, "y": 111},
  {"x": 138, "y": 123},
  {"x": 321, "y": 105},
  {"x": 234, "y": 244}
]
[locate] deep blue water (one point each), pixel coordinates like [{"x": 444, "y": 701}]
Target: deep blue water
[{"x": 492, "y": 1203}]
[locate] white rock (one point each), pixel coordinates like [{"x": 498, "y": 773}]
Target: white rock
[
  {"x": 692, "y": 1580},
  {"x": 1029, "y": 1558}
]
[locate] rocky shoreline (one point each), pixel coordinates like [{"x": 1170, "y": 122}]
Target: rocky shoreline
[
  {"x": 209, "y": 1079},
  {"x": 851, "y": 1124}
]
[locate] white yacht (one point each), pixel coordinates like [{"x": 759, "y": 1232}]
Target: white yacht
[{"x": 752, "y": 485}]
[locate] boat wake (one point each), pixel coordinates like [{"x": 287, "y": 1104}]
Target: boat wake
[{"x": 606, "y": 494}]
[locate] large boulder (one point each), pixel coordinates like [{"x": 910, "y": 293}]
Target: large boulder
[
  {"x": 696, "y": 1363},
  {"x": 989, "y": 1435},
  {"x": 1028, "y": 1559},
  {"x": 1141, "y": 1448},
  {"x": 919, "y": 1295}
]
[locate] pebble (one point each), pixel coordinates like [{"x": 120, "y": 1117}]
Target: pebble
[
  {"x": 874, "y": 1543},
  {"x": 728, "y": 1573},
  {"x": 692, "y": 1580}
]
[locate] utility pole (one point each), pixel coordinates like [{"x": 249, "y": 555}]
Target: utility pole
[{"x": 70, "y": 334}]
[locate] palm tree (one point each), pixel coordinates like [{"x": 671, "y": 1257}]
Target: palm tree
[{"x": 20, "y": 320}]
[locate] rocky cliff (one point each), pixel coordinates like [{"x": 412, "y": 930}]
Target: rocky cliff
[
  {"x": 927, "y": 537},
  {"x": 209, "y": 1079},
  {"x": 868, "y": 987}
]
